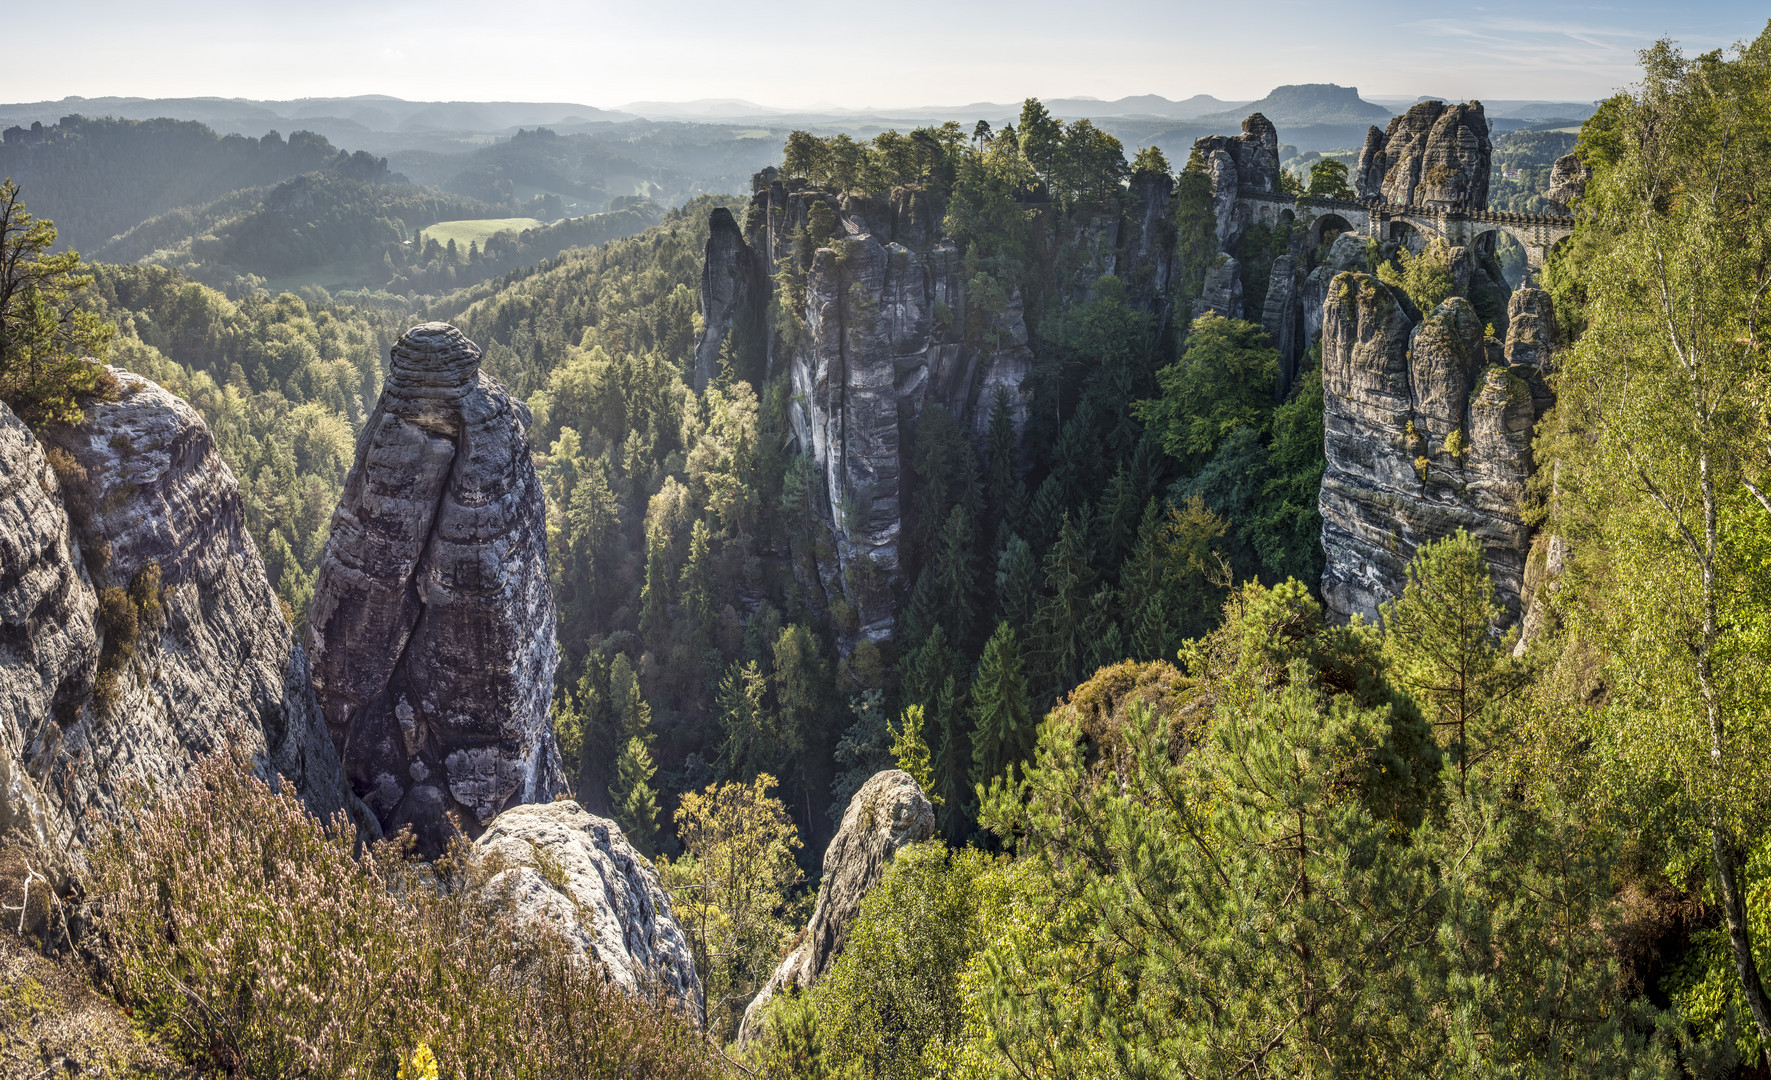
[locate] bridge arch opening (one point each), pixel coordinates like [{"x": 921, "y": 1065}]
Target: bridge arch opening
[
  {"x": 1324, "y": 231},
  {"x": 1409, "y": 237}
]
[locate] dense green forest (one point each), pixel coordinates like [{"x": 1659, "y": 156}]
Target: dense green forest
[{"x": 1187, "y": 825}]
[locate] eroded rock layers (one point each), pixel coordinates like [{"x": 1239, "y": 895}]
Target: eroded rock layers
[
  {"x": 137, "y": 627},
  {"x": 1428, "y": 431},
  {"x": 1433, "y": 155},
  {"x": 431, "y": 629}
]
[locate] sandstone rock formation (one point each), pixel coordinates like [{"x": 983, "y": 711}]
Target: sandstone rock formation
[
  {"x": 577, "y": 874},
  {"x": 1428, "y": 431},
  {"x": 878, "y": 338},
  {"x": 1282, "y": 319},
  {"x": 1222, "y": 293},
  {"x": 189, "y": 653},
  {"x": 733, "y": 295},
  {"x": 1434, "y": 155},
  {"x": 1568, "y": 180},
  {"x": 888, "y": 812},
  {"x": 431, "y": 629},
  {"x": 1255, "y": 152}
]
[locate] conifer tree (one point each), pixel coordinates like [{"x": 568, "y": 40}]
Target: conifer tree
[
  {"x": 635, "y": 800},
  {"x": 1443, "y": 645},
  {"x": 1004, "y": 491},
  {"x": 956, "y": 578},
  {"x": 695, "y": 590},
  {"x": 1017, "y": 583},
  {"x": 750, "y": 738},
  {"x": 952, "y": 763},
  {"x": 1063, "y": 622},
  {"x": 1003, "y": 725},
  {"x": 928, "y": 669}
]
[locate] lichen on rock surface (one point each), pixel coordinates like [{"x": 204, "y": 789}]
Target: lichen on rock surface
[
  {"x": 888, "y": 812},
  {"x": 576, "y": 874},
  {"x": 431, "y": 629}
]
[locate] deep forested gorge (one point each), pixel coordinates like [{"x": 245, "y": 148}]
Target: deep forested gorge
[{"x": 986, "y": 601}]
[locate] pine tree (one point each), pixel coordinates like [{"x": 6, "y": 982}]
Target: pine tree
[
  {"x": 1004, "y": 490},
  {"x": 1017, "y": 583},
  {"x": 1149, "y": 625},
  {"x": 1002, "y": 716},
  {"x": 750, "y": 738},
  {"x": 956, "y": 578},
  {"x": 635, "y": 799},
  {"x": 1442, "y": 644},
  {"x": 695, "y": 591},
  {"x": 1063, "y": 622},
  {"x": 930, "y": 666},
  {"x": 910, "y": 750},
  {"x": 953, "y": 761}
]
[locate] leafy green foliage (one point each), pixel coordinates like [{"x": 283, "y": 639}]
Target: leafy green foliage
[{"x": 45, "y": 337}]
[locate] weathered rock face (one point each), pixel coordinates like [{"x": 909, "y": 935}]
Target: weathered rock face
[
  {"x": 1568, "y": 180},
  {"x": 1434, "y": 155},
  {"x": 879, "y": 339},
  {"x": 888, "y": 812},
  {"x": 1283, "y": 321},
  {"x": 1255, "y": 152},
  {"x": 431, "y": 630},
  {"x": 733, "y": 293},
  {"x": 1245, "y": 162},
  {"x": 1531, "y": 329},
  {"x": 576, "y": 874},
  {"x": 1401, "y": 397},
  {"x": 1149, "y": 239},
  {"x": 1222, "y": 293},
  {"x": 1368, "y": 174},
  {"x": 1346, "y": 253},
  {"x": 215, "y": 668}
]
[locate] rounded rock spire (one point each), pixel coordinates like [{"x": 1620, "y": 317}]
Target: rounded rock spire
[{"x": 434, "y": 356}]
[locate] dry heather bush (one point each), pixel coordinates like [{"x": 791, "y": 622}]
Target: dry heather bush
[{"x": 258, "y": 941}]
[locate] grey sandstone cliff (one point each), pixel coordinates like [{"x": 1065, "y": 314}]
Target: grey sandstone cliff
[
  {"x": 141, "y": 496},
  {"x": 576, "y": 874},
  {"x": 878, "y": 338},
  {"x": 431, "y": 630},
  {"x": 734, "y": 292},
  {"x": 1428, "y": 430},
  {"x": 888, "y": 812},
  {"x": 1434, "y": 155}
]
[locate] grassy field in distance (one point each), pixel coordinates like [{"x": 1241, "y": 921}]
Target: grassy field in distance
[{"x": 475, "y": 229}]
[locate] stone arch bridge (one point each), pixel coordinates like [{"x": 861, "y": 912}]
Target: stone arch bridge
[{"x": 1538, "y": 234}]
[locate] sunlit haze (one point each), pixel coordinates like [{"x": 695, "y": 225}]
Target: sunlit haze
[{"x": 914, "y": 52}]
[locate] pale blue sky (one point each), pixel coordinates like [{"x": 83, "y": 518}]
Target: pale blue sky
[{"x": 894, "y": 52}]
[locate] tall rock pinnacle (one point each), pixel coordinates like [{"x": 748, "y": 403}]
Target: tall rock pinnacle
[{"x": 431, "y": 630}]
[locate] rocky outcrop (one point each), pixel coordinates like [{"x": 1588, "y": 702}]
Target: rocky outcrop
[
  {"x": 876, "y": 337},
  {"x": 1531, "y": 329},
  {"x": 137, "y": 627},
  {"x": 576, "y": 874},
  {"x": 431, "y": 630},
  {"x": 1149, "y": 239},
  {"x": 733, "y": 294},
  {"x": 1222, "y": 293},
  {"x": 1568, "y": 180},
  {"x": 1368, "y": 173},
  {"x": 1237, "y": 163},
  {"x": 888, "y": 812},
  {"x": 1434, "y": 155},
  {"x": 1255, "y": 153},
  {"x": 1346, "y": 253},
  {"x": 1282, "y": 319},
  {"x": 1427, "y": 431}
]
